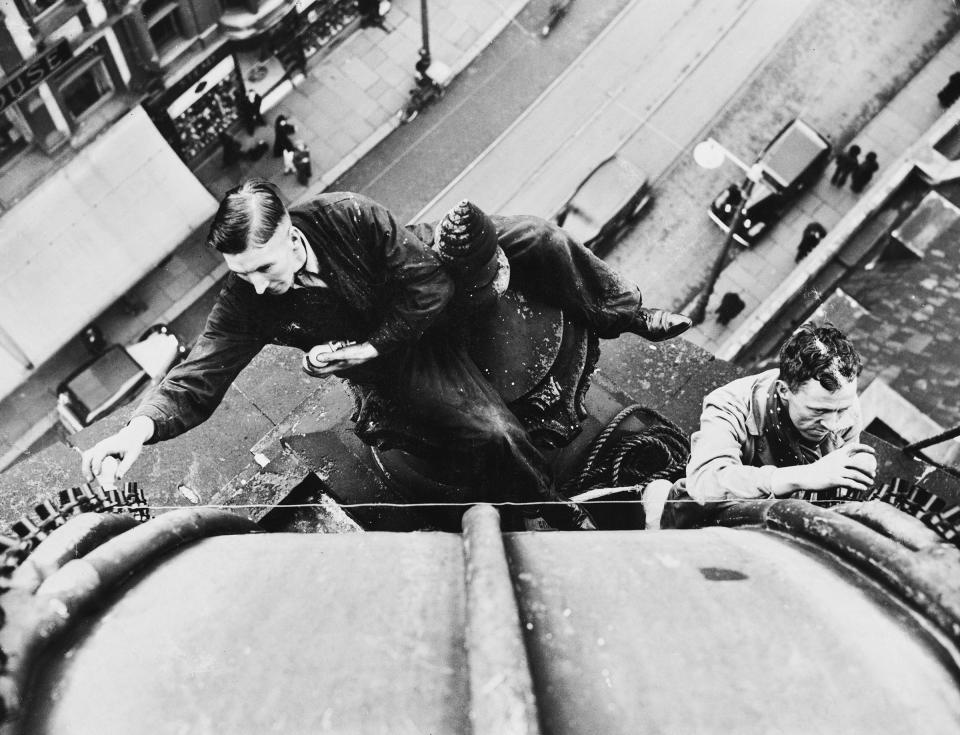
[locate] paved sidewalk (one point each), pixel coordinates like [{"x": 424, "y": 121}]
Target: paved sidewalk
[
  {"x": 350, "y": 100},
  {"x": 347, "y": 103},
  {"x": 763, "y": 274}
]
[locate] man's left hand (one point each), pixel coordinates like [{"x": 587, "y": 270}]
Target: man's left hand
[{"x": 342, "y": 359}]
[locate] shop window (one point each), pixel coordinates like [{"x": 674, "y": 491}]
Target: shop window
[
  {"x": 86, "y": 88},
  {"x": 11, "y": 139}
]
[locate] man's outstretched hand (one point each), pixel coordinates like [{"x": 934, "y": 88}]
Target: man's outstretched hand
[
  {"x": 125, "y": 445},
  {"x": 329, "y": 363},
  {"x": 853, "y": 466}
]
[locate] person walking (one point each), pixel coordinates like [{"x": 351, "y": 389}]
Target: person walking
[
  {"x": 951, "y": 90},
  {"x": 231, "y": 148},
  {"x": 283, "y": 129},
  {"x": 301, "y": 162},
  {"x": 812, "y": 234},
  {"x": 253, "y": 118},
  {"x": 730, "y": 305},
  {"x": 846, "y": 164},
  {"x": 864, "y": 172}
]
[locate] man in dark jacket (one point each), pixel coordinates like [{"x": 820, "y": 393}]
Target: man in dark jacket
[
  {"x": 343, "y": 269},
  {"x": 846, "y": 164},
  {"x": 864, "y": 172},
  {"x": 813, "y": 233}
]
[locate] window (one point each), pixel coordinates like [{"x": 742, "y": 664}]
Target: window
[
  {"x": 86, "y": 88},
  {"x": 163, "y": 20},
  {"x": 165, "y": 32}
]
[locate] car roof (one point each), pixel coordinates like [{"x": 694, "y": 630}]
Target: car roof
[
  {"x": 792, "y": 151},
  {"x": 98, "y": 382},
  {"x": 607, "y": 189}
]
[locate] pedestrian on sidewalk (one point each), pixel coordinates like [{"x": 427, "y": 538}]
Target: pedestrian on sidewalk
[
  {"x": 231, "y": 148},
  {"x": 951, "y": 91},
  {"x": 301, "y": 162},
  {"x": 812, "y": 234},
  {"x": 94, "y": 340},
  {"x": 288, "y": 167},
  {"x": 864, "y": 172},
  {"x": 252, "y": 116},
  {"x": 372, "y": 12},
  {"x": 730, "y": 305},
  {"x": 283, "y": 129},
  {"x": 846, "y": 164}
]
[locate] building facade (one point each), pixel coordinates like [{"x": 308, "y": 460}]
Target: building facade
[{"x": 105, "y": 107}]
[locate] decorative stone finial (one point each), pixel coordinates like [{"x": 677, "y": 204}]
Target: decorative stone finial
[{"x": 466, "y": 241}]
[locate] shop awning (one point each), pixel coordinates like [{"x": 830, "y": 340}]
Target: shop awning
[{"x": 86, "y": 235}]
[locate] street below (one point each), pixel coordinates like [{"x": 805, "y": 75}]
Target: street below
[{"x": 671, "y": 75}]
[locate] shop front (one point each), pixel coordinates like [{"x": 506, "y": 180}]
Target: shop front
[
  {"x": 273, "y": 54},
  {"x": 192, "y": 113},
  {"x": 322, "y": 24},
  {"x": 57, "y": 92},
  {"x": 24, "y": 115},
  {"x": 266, "y": 43}
]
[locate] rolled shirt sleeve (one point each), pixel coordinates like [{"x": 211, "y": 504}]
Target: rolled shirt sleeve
[{"x": 716, "y": 470}]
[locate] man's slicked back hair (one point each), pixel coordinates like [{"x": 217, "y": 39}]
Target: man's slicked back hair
[
  {"x": 819, "y": 352},
  {"x": 248, "y": 215}
]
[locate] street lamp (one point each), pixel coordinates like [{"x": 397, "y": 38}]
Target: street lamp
[
  {"x": 710, "y": 154},
  {"x": 423, "y": 63}
]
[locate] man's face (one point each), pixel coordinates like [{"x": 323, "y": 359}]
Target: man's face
[
  {"x": 816, "y": 411},
  {"x": 270, "y": 267}
]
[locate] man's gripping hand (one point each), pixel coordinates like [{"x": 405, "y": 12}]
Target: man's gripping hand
[
  {"x": 328, "y": 363},
  {"x": 126, "y": 445},
  {"x": 853, "y": 466}
]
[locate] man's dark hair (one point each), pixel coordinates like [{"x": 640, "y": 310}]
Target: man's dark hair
[
  {"x": 248, "y": 215},
  {"x": 818, "y": 352}
]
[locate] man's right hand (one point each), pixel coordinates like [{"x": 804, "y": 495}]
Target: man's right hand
[
  {"x": 853, "y": 466},
  {"x": 126, "y": 445}
]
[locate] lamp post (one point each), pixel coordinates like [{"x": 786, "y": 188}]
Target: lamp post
[
  {"x": 710, "y": 154},
  {"x": 423, "y": 63}
]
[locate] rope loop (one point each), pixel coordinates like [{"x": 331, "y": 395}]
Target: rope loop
[{"x": 636, "y": 458}]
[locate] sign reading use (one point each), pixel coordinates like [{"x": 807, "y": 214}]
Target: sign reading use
[{"x": 36, "y": 70}]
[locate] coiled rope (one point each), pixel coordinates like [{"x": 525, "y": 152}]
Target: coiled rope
[{"x": 632, "y": 458}]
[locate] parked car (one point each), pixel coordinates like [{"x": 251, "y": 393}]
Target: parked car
[
  {"x": 791, "y": 162},
  {"x": 115, "y": 376},
  {"x": 609, "y": 199}
]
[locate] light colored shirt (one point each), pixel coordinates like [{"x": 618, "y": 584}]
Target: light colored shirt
[{"x": 727, "y": 460}]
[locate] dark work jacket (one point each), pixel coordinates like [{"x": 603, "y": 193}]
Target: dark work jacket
[{"x": 386, "y": 287}]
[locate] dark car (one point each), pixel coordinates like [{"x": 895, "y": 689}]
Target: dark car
[
  {"x": 609, "y": 199},
  {"x": 791, "y": 162},
  {"x": 115, "y": 376}
]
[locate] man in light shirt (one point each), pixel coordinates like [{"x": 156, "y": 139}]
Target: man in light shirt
[{"x": 796, "y": 427}]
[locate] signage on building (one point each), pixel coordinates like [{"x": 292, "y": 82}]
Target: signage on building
[
  {"x": 207, "y": 82},
  {"x": 34, "y": 73}
]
